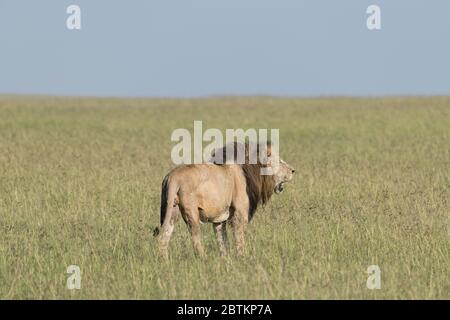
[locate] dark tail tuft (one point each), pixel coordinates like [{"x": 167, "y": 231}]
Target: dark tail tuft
[
  {"x": 163, "y": 199},
  {"x": 163, "y": 205}
]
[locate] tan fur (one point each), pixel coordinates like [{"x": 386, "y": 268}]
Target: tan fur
[{"x": 216, "y": 193}]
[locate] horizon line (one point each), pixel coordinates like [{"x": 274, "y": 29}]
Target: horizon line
[{"x": 219, "y": 96}]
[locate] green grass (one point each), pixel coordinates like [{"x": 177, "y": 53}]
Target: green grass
[{"x": 80, "y": 182}]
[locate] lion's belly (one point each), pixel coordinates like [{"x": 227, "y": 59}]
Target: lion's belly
[
  {"x": 213, "y": 193},
  {"x": 216, "y": 210},
  {"x": 214, "y": 199},
  {"x": 223, "y": 217},
  {"x": 214, "y": 218}
]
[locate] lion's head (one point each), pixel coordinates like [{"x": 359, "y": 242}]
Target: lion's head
[
  {"x": 281, "y": 171},
  {"x": 265, "y": 172}
]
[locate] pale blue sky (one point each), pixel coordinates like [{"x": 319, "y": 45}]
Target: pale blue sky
[{"x": 219, "y": 47}]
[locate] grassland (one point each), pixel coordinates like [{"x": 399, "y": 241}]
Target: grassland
[{"x": 80, "y": 182}]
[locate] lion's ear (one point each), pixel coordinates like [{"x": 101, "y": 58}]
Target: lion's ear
[{"x": 269, "y": 149}]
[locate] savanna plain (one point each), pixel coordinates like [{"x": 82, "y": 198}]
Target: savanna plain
[{"x": 80, "y": 183}]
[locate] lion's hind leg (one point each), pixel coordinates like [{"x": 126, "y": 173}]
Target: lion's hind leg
[
  {"x": 165, "y": 233},
  {"x": 192, "y": 218}
]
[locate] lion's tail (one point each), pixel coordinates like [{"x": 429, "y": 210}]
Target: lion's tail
[{"x": 168, "y": 201}]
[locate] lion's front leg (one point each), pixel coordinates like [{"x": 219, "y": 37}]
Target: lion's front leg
[
  {"x": 220, "y": 230},
  {"x": 239, "y": 223}
]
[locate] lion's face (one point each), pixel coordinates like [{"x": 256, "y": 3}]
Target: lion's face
[
  {"x": 273, "y": 164},
  {"x": 282, "y": 173}
]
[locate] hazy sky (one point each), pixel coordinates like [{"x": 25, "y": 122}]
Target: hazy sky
[{"x": 220, "y": 47}]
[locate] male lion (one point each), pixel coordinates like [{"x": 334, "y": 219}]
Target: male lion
[{"x": 217, "y": 193}]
